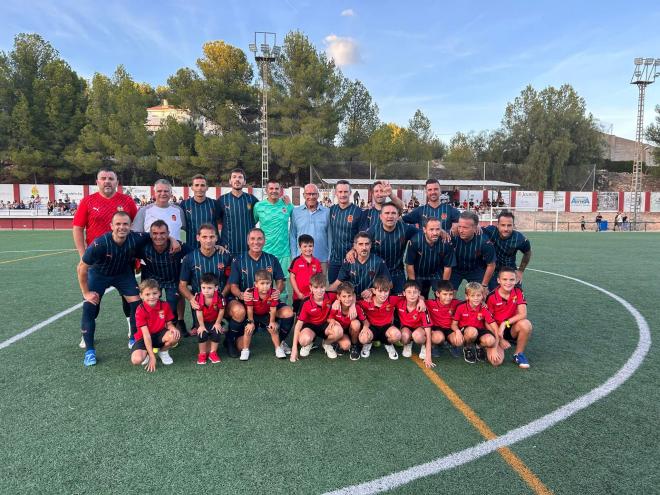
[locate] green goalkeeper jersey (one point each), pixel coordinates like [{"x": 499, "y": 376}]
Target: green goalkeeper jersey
[{"x": 274, "y": 221}]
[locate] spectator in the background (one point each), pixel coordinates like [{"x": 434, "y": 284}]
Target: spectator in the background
[
  {"x": 356, "y": 199},
  {"x": 599, "y": 221}
]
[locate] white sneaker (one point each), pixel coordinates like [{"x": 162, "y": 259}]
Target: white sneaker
[
  {"x": 81, "y": 344},
  {"x": 128, "y": 320},
  {"x": 366, "y": 350},
  {"x": 165, "y": 357},
  {"x": 285, "y": 347},
  {"x": 407, "y": 350},
  {"x": 330, "y": 351},
  {"x": 422, "y": 352},
  {"x": 391, "y": 351},
  {"x": 305, "y": 350},
  {"x": 245, "y": 355},
  {"x": 279, "y": 352},
  {"x": 145, "y": 361}
]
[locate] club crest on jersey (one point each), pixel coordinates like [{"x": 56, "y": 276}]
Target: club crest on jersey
[
  {"x": 314, "y": 270},
  {"x": 515, "y": 298},
  {"x": 161, "y": 314},
  {"x": 349, "y": 218},
  {"x": 221, "y": 266},
  {"x": 480, "y": 316},
  {"x": 174, "y": 218},
  {"x": 443, "y": 216},
  {"x": 120, "y": 208},
  {"x": 249, "y": 206},
  {"x": 269, "y": 269},
  {"x": 284, "y": 209}
]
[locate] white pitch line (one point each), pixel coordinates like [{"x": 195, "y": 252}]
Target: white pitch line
[
  {"x": 39, "y": 326},
  {"x": 36, "y": 251},
  {"x": 470, "y": 454}
]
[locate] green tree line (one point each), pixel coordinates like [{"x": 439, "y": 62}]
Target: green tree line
[{"x": 56, "y": 126}]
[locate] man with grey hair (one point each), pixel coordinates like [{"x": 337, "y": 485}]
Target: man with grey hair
[
  {"x": 475, "y": 254},
  {"x": 311, "y": 218},
  {"x": 161, "y": 209}
]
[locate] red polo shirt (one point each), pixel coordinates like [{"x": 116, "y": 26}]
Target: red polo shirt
[
  {"x": 345, "y": 320},
  {"x": 303, "y": 270},
  {"x": 380, "y": 315},
  {"x": 503, "y": 309},
  {"x": 467, "y": 316},
  {"x": 154, "y": 318},
  {"x": 411, "y": 319},
  {"x": 441, "y": 314},
  {"x": 262, "y": 306},
  {"x": 210, "y": 313},
  {"x": 315, "y": 314},
  {"x": 95, "y": 212}
]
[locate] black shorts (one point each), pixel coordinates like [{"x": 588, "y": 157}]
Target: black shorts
[
  {"x": 156, "y": 341},
  {"x": 481, "y": 332},
  {"x": 379, "y": 332},
  {"x": 297, "y": 304},
  {"x": 507, "y": 335},
  {"x": 319, "y": 330},
  {"x": 211, "y": 333},
  {"x": 445, "y": 331}
]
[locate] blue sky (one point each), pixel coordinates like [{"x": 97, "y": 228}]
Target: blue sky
[{"x": 459, "y": 62}]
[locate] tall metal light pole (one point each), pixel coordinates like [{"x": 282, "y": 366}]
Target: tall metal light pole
[
  {"x": 265, "y": 51},
  {"x": 646, "y": 70}
]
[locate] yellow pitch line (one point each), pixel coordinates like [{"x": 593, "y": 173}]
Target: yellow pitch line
[
  {"x": 511, "y": 459},
  {"x": 32, "y": 257}
]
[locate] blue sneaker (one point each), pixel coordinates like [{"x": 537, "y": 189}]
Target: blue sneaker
[
  {"x": 131, "y": 343},
  {"x": 90, "y": 358},
  {"x": 436, "y": 351},
  {"x": 521, "y": 360}
]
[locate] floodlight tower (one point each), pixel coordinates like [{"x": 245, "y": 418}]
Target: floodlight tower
[
  {"x": 646, "y": 70},
  {"x": 266, "y": 52}
]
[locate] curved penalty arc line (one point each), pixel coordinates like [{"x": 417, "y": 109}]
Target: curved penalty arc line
[{"x": 470, "y": 454}]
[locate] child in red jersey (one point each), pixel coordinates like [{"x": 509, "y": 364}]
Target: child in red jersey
[
  {"x": 379, "y": 325},
  {"x": 155, "y": 328},
  {"x": 313, "y": 321},
  {"x": 441, "y": 311},
  {"x": 509, "y": 308},
  {"x": 302, "y": 269},
  {"x": 415, "y": 323},
  {"x": 477, "y": 324},
  {"x": 211, "y": 311},
  {"x": 349, "y": 318},
  {"x": 264, "y": 310}
]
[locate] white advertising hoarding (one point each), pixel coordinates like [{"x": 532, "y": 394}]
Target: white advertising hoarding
[
  {"x": 178, "y": 192},
  {"x": 7, "y": 193},
  {"x": 143, "y": 193},
  {"x": 554, "y": 200},
  {"x": 527, "y": 200},
  {"x": 655, "y": 202},
  {"x": 581, "y": 201},
  {"x": 30, "y": 191},
  {"x": 608, "y": 201},
  {"x": 504, "y": 194},
  {"x": 67, "y": 191},
  {"x": 628, "y": 201}
]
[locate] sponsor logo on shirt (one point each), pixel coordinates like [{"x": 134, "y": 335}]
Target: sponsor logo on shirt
[
  {"x": 284, "y": 210},
  {"x": 269, "y": 269},
  {"x": 314, "y": 270},
  {"x": 96, "y": 208},
  {"x": 174, "y": 218}
]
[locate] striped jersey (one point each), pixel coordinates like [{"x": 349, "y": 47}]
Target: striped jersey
[
  {"x": 391, "y": 246},
  {"x": 163, "y": 267},
  {"x": 429, "y": 260},
  {"x": 344, "y": 225},
  {"x": 107, "y": 257},
  {"x": 445, "y": 212},
  {"x": 198, "y": 214},
  {"x": 237, "y": 217},
  {"x": 95, "y": 211},
  {"x": 506, "y": 249},
  {"x": 362, "y": 275},
  {"x": 473, "y": 254},
  {"x": 370, "y": 218},
  {"x": 196, "y": 264},
  {"x": 172, "y": 215},
  {"x": 245, "y": 266}
]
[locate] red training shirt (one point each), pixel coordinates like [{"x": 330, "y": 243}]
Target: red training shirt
[
  {"x": 411, "y": 319},
  {"x": 303, "y": 271},
  {"x": 154, "y": 318},
  {"x": 503, "y": 309},
  {"x": 467, "y": 316},
  {"x": 382, "y": 315},
  {"x": 345, "y": 320},
  {"x": 95, "y": 212},
  {"x": 262, "y": 306},
  {"x": 210, "y": 313},
  {"x": 315, "y": 314},
  {"x": 441, "y": 314}
]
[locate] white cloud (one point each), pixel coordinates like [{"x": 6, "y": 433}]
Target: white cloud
[
  {"x": 348, "y": 13},
  {"x": 344, "y": 51}
]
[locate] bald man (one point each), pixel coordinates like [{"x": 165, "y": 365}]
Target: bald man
[{"x": 311, "y": 218}]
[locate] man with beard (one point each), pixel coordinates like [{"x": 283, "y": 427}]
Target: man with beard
[
  {"x": 235, "y": 212},
  {"x": 508, "y": 242},
  {"x": 435, "y": 207},
  {"x": 382, "y": 191}
]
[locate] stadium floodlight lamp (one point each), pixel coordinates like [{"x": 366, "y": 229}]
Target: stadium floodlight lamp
[
  {"x": 657, "y": 62},
  {"x": 265, "y": 48},
  {"x": 639, "y": 61},
  {"x": 253, "y": 47},
  {"x": 649, "y": 61}
]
